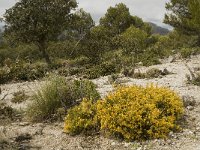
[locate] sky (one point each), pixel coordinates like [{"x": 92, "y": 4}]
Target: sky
[{"x": 148, "y": 10}]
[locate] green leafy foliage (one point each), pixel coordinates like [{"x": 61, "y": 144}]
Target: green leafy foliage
[
  {"x": 117, "y": 19},
  {"x": 31, "y": 22},
  {"x": 184, "y": 16},
  {"x": 21, "y": 71}
]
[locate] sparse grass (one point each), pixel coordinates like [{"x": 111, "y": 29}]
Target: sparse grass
[
  {"x": 6, "y": 111},
  {"x": 195, "y": 80},
  {"x": 151, "y": 73},
  {"x": 19, "y": 97},
  {"x": 47, "y": 99},
  {"x": 8, "y": 114},
  {"x": 58, "y": 95}
]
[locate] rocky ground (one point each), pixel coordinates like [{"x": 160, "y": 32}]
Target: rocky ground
[{"x": 23, "y": 135}]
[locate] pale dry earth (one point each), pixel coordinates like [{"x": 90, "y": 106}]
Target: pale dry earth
[{"x": 50, "y": 136}]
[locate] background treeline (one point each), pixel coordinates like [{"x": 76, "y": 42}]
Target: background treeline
[{"x": 116, "y": 44}]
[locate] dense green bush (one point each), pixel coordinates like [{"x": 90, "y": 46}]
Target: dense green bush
[
  {"x": 58, "y": 93},
  {"x": 63, "y": 49},
  {"x": 80, "y": 61},
  {"x": 21, "y": 52},
  {"x": 5, "y": 75},
  {"x": 27, "y": 72},
  {"x": 104, "y": 69},
  {"x": 21, "y": 71},
  {"x": 187, "y": 52},
  {"x": 6, "y": 53}
]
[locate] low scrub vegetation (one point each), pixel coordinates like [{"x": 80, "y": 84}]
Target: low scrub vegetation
[
  {"x": 21, "y": 71},
  {"x": 131, "y": 113},
  {"x": 194, "y": 80},
  {"x": 151, "y": 73},
  {"x": 19, "y": 97},
  {"x": 57, "y": 93}
]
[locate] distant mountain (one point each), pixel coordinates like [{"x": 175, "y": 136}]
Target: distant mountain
[{"x": 158, "y": 30}]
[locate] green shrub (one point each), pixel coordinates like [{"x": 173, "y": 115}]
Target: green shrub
[
  {"x": 5, "y": 75},
  {"x": 186, "y": 52},
  {"x": 59, "y": 93},
  {"x": 195, "y": 80},
  {"x": 93, "y": 72},
  {"x": 21, "y": 71},
  {"x": 47, "y": 99},
  {"x": 85, "y": 89},
  {"x": 6, "y": 112},
  {"x": 81, "y": 118},
  {"x": 153, "y": 73},
  {"x": 103, "y": 69},
  {"x": 80, "y": 61},
  {"x": 26, "y": 72},
  {"x": 108, "y": 68},
  {"x": 136, "y": 113},
  {"x": 113, "y": 78}
]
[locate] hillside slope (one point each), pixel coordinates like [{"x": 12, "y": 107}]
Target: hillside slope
[
  {"x": 158, "y": 30},
  {"x": 48, "y": 136}
]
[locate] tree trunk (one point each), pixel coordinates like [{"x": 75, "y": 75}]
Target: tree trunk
[{"x": 43, "y": 48}]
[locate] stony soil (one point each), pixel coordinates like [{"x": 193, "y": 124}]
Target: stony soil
[{"x": 23, "y": 135}]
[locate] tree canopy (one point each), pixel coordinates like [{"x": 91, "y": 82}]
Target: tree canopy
[
  {"x": 79, "y": 26},
  {"x": 117, "y": 19},
  {"x": 38, "y": 21},
  {"x": 184, "y": 16}
]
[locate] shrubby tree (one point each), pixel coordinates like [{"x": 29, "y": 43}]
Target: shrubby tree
[
  {"x": 79, "y": 26},
  {"x": 82, "y": 23},
  {"x": 118, "y": 19},
  {"x": 38, "y": 21},
  {"x": 132, "y": 42},
  {"x": 184, "y": 16},
  {"x": 97, "y": 42}
]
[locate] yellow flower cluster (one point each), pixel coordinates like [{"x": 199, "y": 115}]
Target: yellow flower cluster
[
  {"x": 132, "y": 113},
  {"x": 81, "y": 118},
  {"x": 136, "y": 113}
]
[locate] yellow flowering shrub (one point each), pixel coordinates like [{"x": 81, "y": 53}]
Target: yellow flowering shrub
[
  {"x": 81, "y": 118},
  {"x": 136, "y": 112}
]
